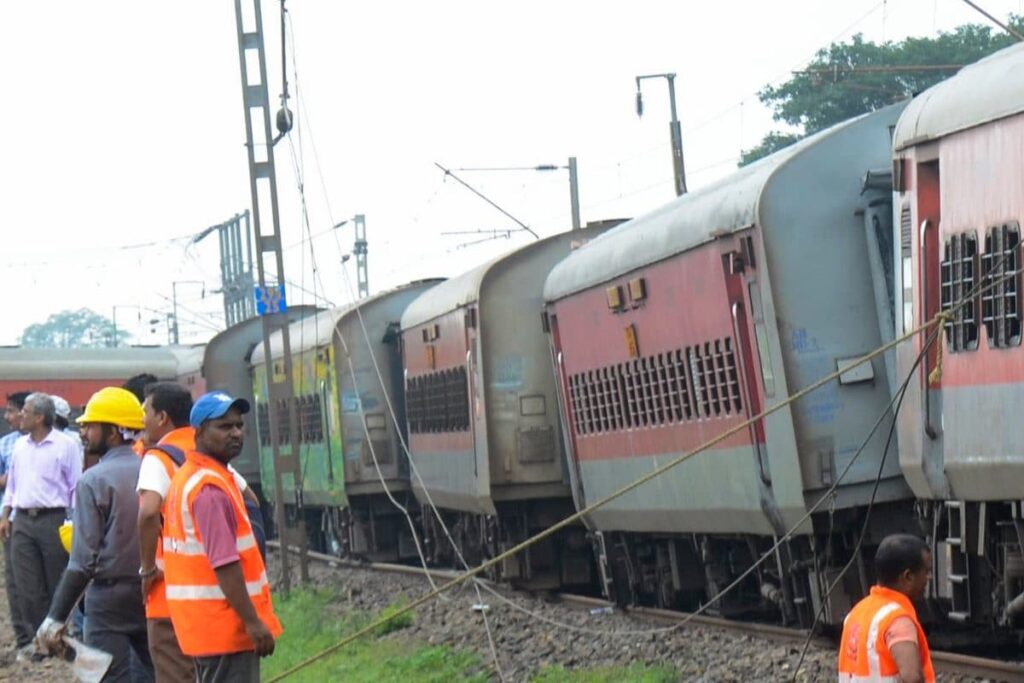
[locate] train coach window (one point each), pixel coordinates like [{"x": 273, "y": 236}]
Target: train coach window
[
  {"x": 284, "y": 424},
  {"x": 958, "y": 291},
  {"x": 1000, "y": 298},
  {"x": 310, "y": 419},
  {"x": 263, "y": 423},
  {"x": 666, "y": 388},
  {"x": 438, "y": 402}
]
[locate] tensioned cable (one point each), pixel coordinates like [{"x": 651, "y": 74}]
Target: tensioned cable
[
  {"x": 825, "y": 496},
  {"x": 372, "y": 449},
  {"x": 937, "y": 319},
  {"x": 997, "y": 265}
]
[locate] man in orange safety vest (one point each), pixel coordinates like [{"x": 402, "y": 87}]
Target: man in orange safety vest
[
  {"x": 215, "y": 580},
  {"x": 883, "y": 641},
  {"x": 165, "y": 417}
]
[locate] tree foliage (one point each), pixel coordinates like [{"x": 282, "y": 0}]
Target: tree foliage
[
  {"x": 81, "y": 329},
  {"x": 851, "y": 78}
]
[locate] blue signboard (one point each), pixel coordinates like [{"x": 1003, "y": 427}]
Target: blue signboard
[{"x": 271, "y": 300}]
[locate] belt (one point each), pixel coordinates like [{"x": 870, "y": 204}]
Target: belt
[
  {"x": 113, "y": 581},
  {"x": 36, "y": 512}
]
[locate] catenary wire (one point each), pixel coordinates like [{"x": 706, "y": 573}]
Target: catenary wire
[{"x": 491, "y": 642}]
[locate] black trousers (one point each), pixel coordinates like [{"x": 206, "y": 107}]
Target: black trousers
[
  {"x": 21, "y": 633},
  {"x": 39, "y": 561}
]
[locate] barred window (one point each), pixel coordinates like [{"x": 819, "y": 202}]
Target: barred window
[
  {"x": 263, "y": 423},
  {"x": 958, "y": 291},
  {"x": 310, "y": 416},
  {"x": 676, "y": 386},
  {"x": 284, "y": 426},
  {"x": 1000, "y": 298},
  {"x": 438, "y": 401}
]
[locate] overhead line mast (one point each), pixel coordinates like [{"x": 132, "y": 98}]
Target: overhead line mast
[{"x": 271, "y": 300}]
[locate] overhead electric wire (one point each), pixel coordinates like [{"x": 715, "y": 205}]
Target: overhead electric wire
[
  {"x": 357, "y": 306},
  {"x": 484, "y": 197}
]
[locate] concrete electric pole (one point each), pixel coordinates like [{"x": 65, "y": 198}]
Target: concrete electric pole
[
  {"x": 677, "y": 136},
  {"x": 362, "y": 275}
]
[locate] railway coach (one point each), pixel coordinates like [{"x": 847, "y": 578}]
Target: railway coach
[
  {"x": 75, "y": 374},
  {"x": 959, "y": 181},
  {"x": 349, "y": 444},
  {"x": 681, "y": 324},
  {"x": 226, "y": 367},
  {"x": 483, "y": 420}
]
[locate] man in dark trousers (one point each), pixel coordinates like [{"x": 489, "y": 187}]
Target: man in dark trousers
[
  {"x": 15, "y": 402},
  {"x": 45, "y": 467},
  {"x": 104, "y": 549}
]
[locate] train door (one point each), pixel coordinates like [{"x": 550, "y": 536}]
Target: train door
[
  {"x": 474, "y": 389},
  {"x": 929, "y": 264},
  {"x": 568, "y": 431},
  {"x": 738, "y": 263}
]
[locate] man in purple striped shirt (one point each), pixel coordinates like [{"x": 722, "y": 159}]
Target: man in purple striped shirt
[{"x": 45, "y": 467}]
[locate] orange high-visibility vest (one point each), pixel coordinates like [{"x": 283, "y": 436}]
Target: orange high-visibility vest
[
  {"x": 204, "y": 622},
  {"x": 183, "y": 438},
  {"x": 863, "y": 655}
]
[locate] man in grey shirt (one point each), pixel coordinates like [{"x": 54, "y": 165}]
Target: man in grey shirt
[{"x": 105, "y": 544}]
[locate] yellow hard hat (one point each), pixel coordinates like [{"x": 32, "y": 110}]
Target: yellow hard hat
[
  {"x": 115, "y": 406},
  {"x": 65, "y": 530}
]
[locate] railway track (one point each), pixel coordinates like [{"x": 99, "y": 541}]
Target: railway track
[{"x": 945, "y": 662}]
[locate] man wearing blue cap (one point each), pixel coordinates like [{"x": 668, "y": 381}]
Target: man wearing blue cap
[{"x": 216, "y": 583}]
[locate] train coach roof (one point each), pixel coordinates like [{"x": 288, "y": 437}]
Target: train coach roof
[
  {"x": 465, "y": 289},
  {"x": 988, "y": 90},
  {"x": 122, "y": 362},
  {"x": 315, "y": 331},
  {"x": 190, "y": 358},
  {"x": 724, "y": 207},
  {"x": 447, "y": 296}
]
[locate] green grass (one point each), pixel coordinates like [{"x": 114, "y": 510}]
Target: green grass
[
  {"x": 634, "y": 673},
  {"x": 313, "y": 622}
]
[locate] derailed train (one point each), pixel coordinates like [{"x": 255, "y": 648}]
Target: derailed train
[{"x": 539, "y": 383}]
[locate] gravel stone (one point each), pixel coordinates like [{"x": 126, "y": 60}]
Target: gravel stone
[{"x": 525, "y": 644}]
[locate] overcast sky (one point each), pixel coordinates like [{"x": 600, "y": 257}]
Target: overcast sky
[{"x": 123, "y": 126}]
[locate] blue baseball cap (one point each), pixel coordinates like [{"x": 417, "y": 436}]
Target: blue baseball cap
[{"x": 213, "y": 405}]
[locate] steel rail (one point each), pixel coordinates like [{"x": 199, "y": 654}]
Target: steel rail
[{"x": 945, "y": 662}]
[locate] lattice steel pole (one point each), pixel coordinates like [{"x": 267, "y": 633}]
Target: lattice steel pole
[{"x": 271, "y": 299}]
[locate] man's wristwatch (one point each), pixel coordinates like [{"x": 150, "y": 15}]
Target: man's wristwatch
[{"x": 146, "y": 573}]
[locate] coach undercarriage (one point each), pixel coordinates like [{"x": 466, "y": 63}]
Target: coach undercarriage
[
  {"x": 559, "y": 561},
  {"x": 977, "y": 589}
]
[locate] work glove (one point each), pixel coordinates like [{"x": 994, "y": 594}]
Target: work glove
[{"x": 48, "y": 637}]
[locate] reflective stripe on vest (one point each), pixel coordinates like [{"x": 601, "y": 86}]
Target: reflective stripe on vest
[
  {"x": 853, "y": 678},
  {"x": 185, "y": 592},
  {"x": 874, "y": 662},
  {"x": 195, "y": 547}
]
